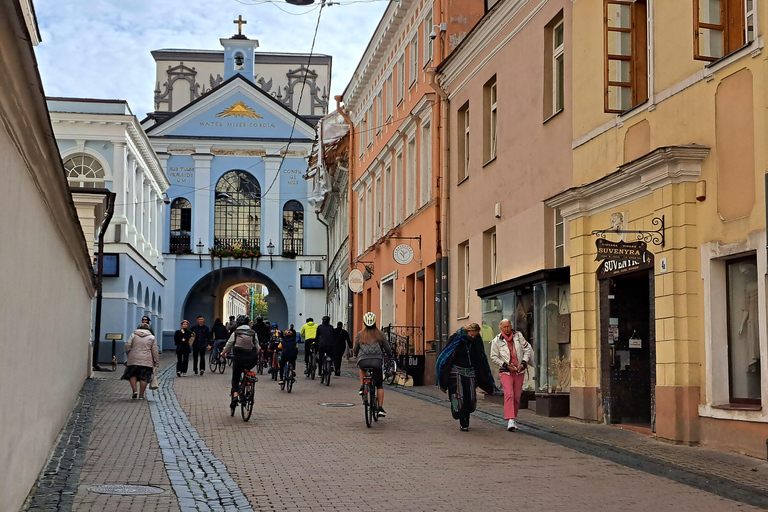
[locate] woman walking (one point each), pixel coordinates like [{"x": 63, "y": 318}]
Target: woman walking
[
  {"x": 512, "y": 354},
  {"x": 370, "y": 347},
  {"x": 461, "y": 367},
  {"x": 182, "y": 339},
  {"x": 142, "y": 358}
]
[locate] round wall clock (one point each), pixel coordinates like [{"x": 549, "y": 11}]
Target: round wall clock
[{"x": 403, "y": 254}]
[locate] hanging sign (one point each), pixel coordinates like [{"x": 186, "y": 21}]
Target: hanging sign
[
  {"x": 355, "y": 280},
  {"x": 621, "y": 257},
  {"x": 403, "y": 254}
]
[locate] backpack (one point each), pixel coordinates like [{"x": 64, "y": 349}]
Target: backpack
[{"x": 245, "y": 340}]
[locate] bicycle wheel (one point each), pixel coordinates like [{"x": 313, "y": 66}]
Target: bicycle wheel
[
  {"x": 246, "y": 403},
  {"x": 312, "y": 368},
  {"x": 327, "y": 371},
  {"x": 289, "y": 376},
  {"x": 375, "y": 402},
  {"x": 390, "y": 371},
  {"x": 260, "y": 364},
  {"x": 275, "y": 371},
  {"x": 222, "y": 365},
  {"x": 368, "y": 405}
]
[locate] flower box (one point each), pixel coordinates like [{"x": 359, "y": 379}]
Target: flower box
[{"x": 553, "y": 404}]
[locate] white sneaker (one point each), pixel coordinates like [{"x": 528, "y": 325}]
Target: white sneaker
[{"x": 511, "y": 425}]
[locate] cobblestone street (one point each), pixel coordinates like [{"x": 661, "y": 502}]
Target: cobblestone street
[{"x": 296, "y": 454}]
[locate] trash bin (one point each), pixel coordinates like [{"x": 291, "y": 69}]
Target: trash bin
[{"x": 415, "y": 368}]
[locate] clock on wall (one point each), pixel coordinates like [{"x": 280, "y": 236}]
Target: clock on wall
[{"x": 403, "y": 254}]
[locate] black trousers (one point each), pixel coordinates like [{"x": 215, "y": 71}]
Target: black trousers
[
  {"x": 285, "y": 360},
  {"x": 198, "y": 352},
  {"x": 243, "y": 361},
  {"x": 309, "y": 346},
  {"x": 338, "y": 355},
  {"x": 182, "y": 362},
  {"x": 321, "y": 353}
]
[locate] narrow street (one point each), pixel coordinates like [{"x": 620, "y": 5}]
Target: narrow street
[{"x": 297, "y": 454}]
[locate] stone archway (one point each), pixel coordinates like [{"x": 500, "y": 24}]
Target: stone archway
[{"x": 205, "y": 296}]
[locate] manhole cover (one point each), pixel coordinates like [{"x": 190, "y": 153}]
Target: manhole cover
[
  {"x": 126, "y": 490},
  {"x": 336, "y": 404}
]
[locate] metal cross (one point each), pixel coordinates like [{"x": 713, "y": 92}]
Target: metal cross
[{"x": 240, "y": 22}]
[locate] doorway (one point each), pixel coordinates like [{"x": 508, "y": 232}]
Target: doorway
[{"x": 628, "y": 354}]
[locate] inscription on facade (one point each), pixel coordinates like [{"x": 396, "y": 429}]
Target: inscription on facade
[
  {"x": 235, "y": 124},
  {"x": 293, "y": 176},
  {"x": 621, "y": 257},
  {"x": 181, "y": 174}
]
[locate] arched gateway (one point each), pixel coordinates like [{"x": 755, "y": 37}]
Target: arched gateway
[{"x": 206, "y": 297}]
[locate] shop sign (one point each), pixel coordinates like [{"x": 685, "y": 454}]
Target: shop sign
[
  {"x": 355, "y": 280},
  {"x": 621, "y": 257}
]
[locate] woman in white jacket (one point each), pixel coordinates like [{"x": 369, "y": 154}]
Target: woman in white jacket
[{"x": 512, "y": 354}]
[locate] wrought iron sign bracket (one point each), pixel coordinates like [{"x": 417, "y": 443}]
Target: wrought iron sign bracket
[
  {"x": 406, "y": 238},
  {"x": 368, "y": 265},
  {"x": 655, "y": 237}
]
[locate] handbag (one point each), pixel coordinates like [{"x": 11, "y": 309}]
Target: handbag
[{"x": 154, "y": 383}]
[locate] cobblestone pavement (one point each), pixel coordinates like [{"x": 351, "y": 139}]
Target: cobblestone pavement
[{"x": 296, "y": 454}]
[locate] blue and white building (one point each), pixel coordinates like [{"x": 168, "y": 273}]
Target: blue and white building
[
  {"x": 103, "y": 146},
  {"x": 235, "y": 154}
]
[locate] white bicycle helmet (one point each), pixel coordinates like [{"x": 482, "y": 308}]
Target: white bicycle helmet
[{"x": 369, "y": 319}]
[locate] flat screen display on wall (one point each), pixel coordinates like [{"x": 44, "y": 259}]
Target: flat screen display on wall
[
  {"x": 313, "y": 281},
  {"x": 111, "y": 265}
]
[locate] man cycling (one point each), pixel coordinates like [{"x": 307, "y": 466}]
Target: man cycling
[
  {"x": 289, "y": 349},
  {"x": 309, "y": 335},
  {"x": 326, "y": 339},
  {"x": 245, "y": 351},
  {"x": 276, "y": 336}
]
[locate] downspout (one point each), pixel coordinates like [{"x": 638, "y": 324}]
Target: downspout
[
  {"x": 321, "y": 167},
  {"x": 441, "y": 216},
  {"x": 350, "y": 173},
  {"x": 110, "y": 211}
]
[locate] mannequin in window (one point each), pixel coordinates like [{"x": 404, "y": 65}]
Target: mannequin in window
[{"x": 748, "y": 327}]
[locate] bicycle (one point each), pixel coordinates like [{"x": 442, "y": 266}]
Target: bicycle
[
  {"x": 246, "y": 394},
  {"x": 326, "y": 370},
  {"x": 312, "y": 366},
  {"x": 275, "y": 365},
  {"x": 389, "y": 369},
  {"x": 289, "y": 377},
  {"x": 262, "y": 363},
  {"x": 217, "y": 362},
  {"x": 370, "y": 398}
]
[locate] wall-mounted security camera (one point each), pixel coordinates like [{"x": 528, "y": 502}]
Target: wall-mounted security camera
[
  {"x": 433, "y": 34},
  {"x": 166, "y": 199},
  {"x": 440, "y": 28},
  {"x": 301, "y": 268}
]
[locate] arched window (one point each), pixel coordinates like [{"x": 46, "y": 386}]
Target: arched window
[
  {"x": 237, "y": 213},
  {"x": 293, "y": 227},
  {"x": 84, "y": 171},
  {"x": 181, "y": 225}
]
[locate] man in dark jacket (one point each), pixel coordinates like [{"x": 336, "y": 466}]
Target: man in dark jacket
[
  {"x": 325, "y": 341},
  {"x": 263, "y": 332},
  {"x": 202, "y": 341},
  {"x": 342, "y": 342}
]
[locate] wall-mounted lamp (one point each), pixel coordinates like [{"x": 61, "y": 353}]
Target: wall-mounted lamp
[
  {"x": 440, "y": 28},
  {"x": 270, "y": 251},
  {"x": 199, "y": 248}
]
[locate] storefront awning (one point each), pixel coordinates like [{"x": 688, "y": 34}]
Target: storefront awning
[{"x": 562, "y": 274}]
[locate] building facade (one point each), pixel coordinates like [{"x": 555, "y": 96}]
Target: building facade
[
  {"x": 43, "y": 249},
  {"x": 235, "y": 156},
  {"x": 103, "y": 146},
  {"x": 667, "y": 219},
  {"x": 508, "y": 87}
]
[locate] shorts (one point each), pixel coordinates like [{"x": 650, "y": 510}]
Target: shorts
[{"x": 375, "y": 366}]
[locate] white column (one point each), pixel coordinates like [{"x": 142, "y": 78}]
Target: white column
[
  {"x": 201, "y": 207},
  {"x": 119, "y": 188},
  {"x": 271, "y": 207}
]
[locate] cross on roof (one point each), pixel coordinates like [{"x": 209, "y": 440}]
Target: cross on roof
[{"x": 240, "y": 22}]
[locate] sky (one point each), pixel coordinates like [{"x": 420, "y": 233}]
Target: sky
[{"x": 101, "y": 48}]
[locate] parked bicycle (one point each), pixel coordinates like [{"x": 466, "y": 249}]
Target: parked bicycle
[
  {"x": 289, "y": 377},
  {"x": 246, "y": 394},
  {"x": 389, "y": 369},
  {"x": 370, "y": 400}
]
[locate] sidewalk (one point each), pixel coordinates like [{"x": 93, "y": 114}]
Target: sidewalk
[{"x": 718, "y": 472}]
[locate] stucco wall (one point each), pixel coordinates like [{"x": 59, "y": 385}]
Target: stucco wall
[{"x": 49, "y": 321}]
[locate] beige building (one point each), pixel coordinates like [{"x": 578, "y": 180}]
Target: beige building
[
  {"x": 667, "y": 219},
  {"x": 510, "y": 116},
  {"x": 43, "y": 249}
]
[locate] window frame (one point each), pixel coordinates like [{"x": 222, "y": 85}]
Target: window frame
[
  {"x": 401, "y": 79},
  {"x": 490, "y": 120},
  {"x": 428, "y": 42},
  {"x": 388, "y": 97},
  {"x": 734, "y": 36},
  {"x": 379, "y": 111},
  {"x": 425, "y": 166},
  {"x": 464, "y": 142},
  {"x": 86, "y": 162},
  {"x": 414, "y": 57},
  {"x": 238, "y": 206},
  {"x": 293, "y": 222},
  {"x": 558, "y": 78},
  {"x": 638, "y": 57}
]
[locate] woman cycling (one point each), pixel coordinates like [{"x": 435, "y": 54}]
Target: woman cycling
[
  {"x": 245, "y": 350},
  {"x": 370, "y": 347}
]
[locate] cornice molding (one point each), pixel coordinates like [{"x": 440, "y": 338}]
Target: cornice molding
[{"x": 638, "y": 178}]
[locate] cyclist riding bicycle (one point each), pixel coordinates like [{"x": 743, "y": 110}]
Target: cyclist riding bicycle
[
  {"x": 308, "y": 334},
  {"x": 289, "y": 349},
  {"x": 370, "y": 347},
  {"x": 245, "y": 349},
  {"x": 274, "y": 341},
  {"x": 326, "y": 340}
]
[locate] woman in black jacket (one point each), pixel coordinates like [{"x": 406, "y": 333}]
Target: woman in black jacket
[{"x": 182, "y": 339}]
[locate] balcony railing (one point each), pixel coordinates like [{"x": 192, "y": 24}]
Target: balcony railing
[
  {"x": 250, "y": 244},
  {"x": 405, "y": 339},
  {"x": 293, "y": 245},
  {"x": 180, "y": 244}
]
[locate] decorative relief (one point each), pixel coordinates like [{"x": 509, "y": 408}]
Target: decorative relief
[
  {"x": 239, "y": 109},
  {"x": 174, "y": 74},
  {"x": 239, "y": 152}
]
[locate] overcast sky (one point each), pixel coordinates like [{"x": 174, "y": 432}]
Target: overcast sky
[{"x": 101, "y": 48}]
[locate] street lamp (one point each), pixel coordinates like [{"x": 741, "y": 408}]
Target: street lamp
[
  {"x": 199, "y": 247},
  {"x": 270, "y": 251}
]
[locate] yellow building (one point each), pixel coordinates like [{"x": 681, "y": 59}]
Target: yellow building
[{"x": 667, "y": 219}]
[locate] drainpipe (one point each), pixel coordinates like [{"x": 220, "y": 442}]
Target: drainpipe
[
  {"x": 321, "y": 166},
  {"x": 350, "y": 174},
  {"x": 441, "y": 215},
  {"x": 100, "y": 267}
]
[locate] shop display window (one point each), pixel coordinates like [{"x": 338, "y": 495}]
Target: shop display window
[{"x": 743, "y": 331}]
